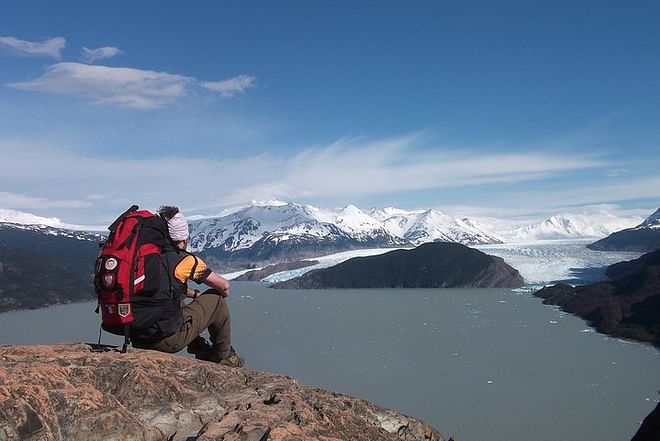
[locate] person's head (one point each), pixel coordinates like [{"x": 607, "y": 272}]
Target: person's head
[{"x": 177, "y": 225}]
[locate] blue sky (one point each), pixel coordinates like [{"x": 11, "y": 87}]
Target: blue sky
[{"x": 499, "y": 108}]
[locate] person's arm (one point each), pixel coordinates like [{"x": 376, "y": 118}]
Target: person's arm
[
  {"x": 219, "y": 283},
  {"x": 193, "y": 268}
]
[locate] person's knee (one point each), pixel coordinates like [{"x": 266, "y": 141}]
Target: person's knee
[{"x": 211, "y": 296}]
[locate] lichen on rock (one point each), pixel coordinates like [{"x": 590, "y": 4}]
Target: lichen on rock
[{"x": 63, "y": 392}]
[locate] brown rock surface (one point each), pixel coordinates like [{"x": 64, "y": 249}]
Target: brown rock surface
[{"x": 67, "y": 392}]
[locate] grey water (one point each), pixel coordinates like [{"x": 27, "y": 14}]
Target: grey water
[{"x": 478, "y": 364}]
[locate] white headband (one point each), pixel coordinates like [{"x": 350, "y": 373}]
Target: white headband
[{"x": 178, "y": 227}]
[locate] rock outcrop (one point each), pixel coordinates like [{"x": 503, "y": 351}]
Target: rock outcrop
[
  {"x": 431, "y": 265},
  {"x": 66, "y": 392}
]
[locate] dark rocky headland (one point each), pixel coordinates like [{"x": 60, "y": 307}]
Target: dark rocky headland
[
  {"x": 627, "y": 306},
  {"x": 67, "y": 392},
  {"x": 632, "y": 239},
  {"x": 431, "y": 265},
  {"x": 650, "y": 428}
]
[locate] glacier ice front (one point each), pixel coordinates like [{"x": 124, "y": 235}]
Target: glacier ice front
[
  {"x": 541, "y": 262},
  {"x": 570, "y": 261}
]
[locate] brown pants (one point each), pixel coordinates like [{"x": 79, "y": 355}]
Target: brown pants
[{"x": 207, "y": 311}]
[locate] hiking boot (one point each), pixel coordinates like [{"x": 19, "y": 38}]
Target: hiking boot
[
  {"x": 232, "y": 359},
  {"x": 200, "y": 348}
]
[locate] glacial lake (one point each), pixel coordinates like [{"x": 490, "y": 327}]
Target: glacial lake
[{"x": 478, "y": 364}]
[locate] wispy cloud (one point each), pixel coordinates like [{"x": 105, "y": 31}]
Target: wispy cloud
[
  {"x": 47, "y": 48},
  {"x": 587, "y": 193},
  {"x": 617, "y": 172},
  {"x": 22, "y": 201},
  {"x": 92, "y": 55},
  {"x": 123, "y": 86},
  {"x": 347, "y": 170},
  {"x": 356, "y": 167},
  {"x": 231, "y": 87}
]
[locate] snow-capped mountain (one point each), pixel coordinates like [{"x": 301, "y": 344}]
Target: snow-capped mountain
[
  {"x": 274, "y": 224},
  {"x": 360, "y": 226},
  {"x": 268, "y": 233},
  {"x": 266, "y": 229},
  {"x": 570, "y": 226},
  {"x": 383, "y": 214},
  {"x": 21, "y": 218},
  {"x": 274, "y": 231},
  {"x": 42, "y": 265},
  {"x": 433, "y": 225},
  {"x": 422, "y": 226},
  {"x": 52, "y": 231},
  {"x": 653, "y": 221},
  {"x": 243, "y": 228},
  {"x": 52, "y": 226}
]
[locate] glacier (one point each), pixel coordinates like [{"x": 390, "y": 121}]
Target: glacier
[
  {"x": 552, "y": 261},
  {"x": 539, "y": 262}
]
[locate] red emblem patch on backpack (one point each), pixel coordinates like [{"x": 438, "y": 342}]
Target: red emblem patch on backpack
[{"x": 124, "y": 309}]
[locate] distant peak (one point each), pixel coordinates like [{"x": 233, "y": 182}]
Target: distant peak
[
  {"x": 432, "y": 212},
  {"x": 269, "y": 203},
  {"x": 19, "y": 217},
  {"x": 350, "y": 208},
  {"x": 653, "y": 219},
  {"x": 22, "y": 218}
]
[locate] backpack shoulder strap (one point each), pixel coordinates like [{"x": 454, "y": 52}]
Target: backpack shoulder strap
[
  {"x": 194, "y": 267},
  {"x": 121, "y": 217}
]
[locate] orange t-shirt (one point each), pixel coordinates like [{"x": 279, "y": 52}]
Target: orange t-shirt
[{"x": 192, "y": 268}]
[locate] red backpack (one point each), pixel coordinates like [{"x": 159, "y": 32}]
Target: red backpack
[{"x": 129, "y": 265}]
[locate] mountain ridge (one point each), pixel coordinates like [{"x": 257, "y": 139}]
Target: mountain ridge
[
  {"x": 643, "y": 237},
  {"x": 41, "y": 266}
]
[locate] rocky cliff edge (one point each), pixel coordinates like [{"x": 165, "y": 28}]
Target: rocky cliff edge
[{"x": 64, "y": 392}]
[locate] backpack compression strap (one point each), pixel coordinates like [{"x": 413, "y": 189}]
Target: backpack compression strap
[{"x": 127, "y": 339}]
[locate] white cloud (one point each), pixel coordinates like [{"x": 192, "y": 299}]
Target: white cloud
[
  {"x": 92, "y": 55},
  {"x": 231, "y": 87},
  {"x": 17, "y": 200},
  {"x": 122, "y": 86},
  {"x": 48, "y": 48},
  {"x": 126, "y": 87}
]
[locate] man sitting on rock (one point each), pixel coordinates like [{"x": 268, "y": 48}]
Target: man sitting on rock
[{"x": 208, "y": 310}]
